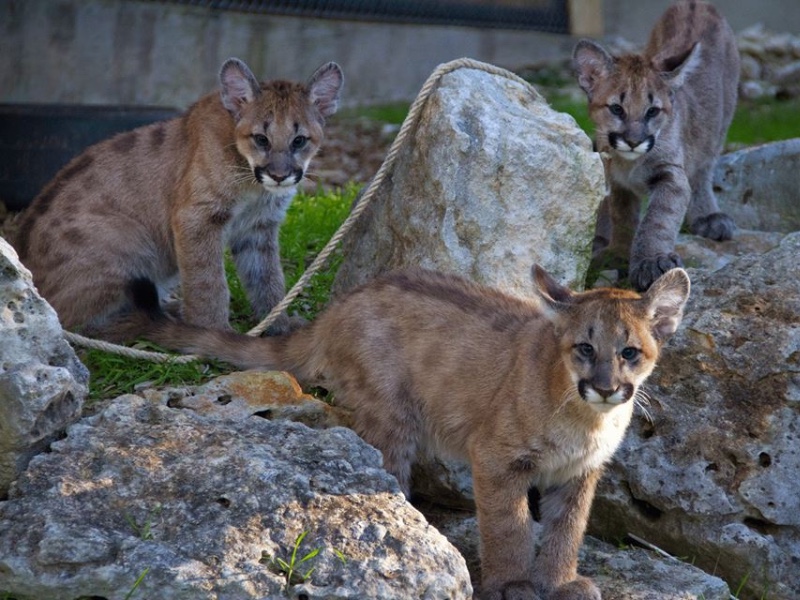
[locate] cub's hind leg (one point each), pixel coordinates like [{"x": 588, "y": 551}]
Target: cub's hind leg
[
  {"x": 703, "y": 215},
  {"x": 386, "y": 417}
]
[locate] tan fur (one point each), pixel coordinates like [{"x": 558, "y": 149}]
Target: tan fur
[
  {"x": 661, "y": 117},
  {"x": 159, "y": 203},
  {"x": 532, "y": 392}
]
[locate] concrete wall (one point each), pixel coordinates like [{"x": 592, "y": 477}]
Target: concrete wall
[
  {"x": 111, "y": 51},
  {"x": 132, "y": 52},
  {"x": 633, "y": 19}
]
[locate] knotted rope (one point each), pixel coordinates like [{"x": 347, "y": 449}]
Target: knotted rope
[{"x": 361, "y": 205}]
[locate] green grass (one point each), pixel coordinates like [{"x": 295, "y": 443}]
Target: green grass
[
  {"x": 763, "y": 121},
  {"x": 310, "y": 223},
  {"x": 111, "y": 375},
  {"x": 393, "y": 113}
]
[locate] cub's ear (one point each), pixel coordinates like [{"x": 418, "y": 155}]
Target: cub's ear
[
  {"x": 547, "y": 289},
  {"x": 239, "y": 85},
  {"x": 591, "y": 63},
  {"x": 665, "y": 301},
  {"x": 324, "y": 87},
  {"x": 675, "y": 68}
]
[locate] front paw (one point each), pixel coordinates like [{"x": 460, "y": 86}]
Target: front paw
[
  {"x": 581, "y": 588},
  {"x": 645, "y": 272},
  {"x": 716, "y": 226},
  {"x": 514, "y": 590}
]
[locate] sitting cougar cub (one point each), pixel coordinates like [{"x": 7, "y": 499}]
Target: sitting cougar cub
[
  {"x": 662, "y": 117},
  {"x": 532, "y": 392},
  {"x": 163, "y": 199}
]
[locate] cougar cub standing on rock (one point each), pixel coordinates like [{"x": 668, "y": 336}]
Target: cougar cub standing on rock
[
  {"x": 161, "y": 201},
  {"x": 532, "y": 392},
  {"x": 662, "y": 117}
]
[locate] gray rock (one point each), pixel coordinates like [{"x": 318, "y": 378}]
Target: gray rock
[
  {"x": 756, "y": 89},
  {"x": 787, "y": 75},
  {"x": 714, "y": 475},
  {"x": 203, "y": 506},
  {"x": 621, "y": 573},
  {"x": 492, "y": 181},
  {"x": 751, "y": 68},
  {"x": 758, "y": 186},
  {"x": 42, "y": 383},
  {"x": 708, "y": 255}
]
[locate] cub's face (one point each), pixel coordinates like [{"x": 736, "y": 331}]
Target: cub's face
[
  {"x": 608, "y": 350},
  {"x": 278, "y": 124},
  {"x": 609, "y": 338},
  {"x": 630, "y": 96},
  {"x": 278, "y": 134},
  {"x": 629, "y": 108}
]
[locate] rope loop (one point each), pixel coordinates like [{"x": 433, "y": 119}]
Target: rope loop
[{"x": 358, "y": 209}]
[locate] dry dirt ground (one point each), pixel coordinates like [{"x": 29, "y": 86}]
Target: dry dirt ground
[{"x": 353, "y": 150}]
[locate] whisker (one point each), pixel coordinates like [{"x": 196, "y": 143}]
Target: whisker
[
  {"x": 568, "y": 395},
  {"x": 641, "y": 399},
  {"x": 643, "y": 396}
]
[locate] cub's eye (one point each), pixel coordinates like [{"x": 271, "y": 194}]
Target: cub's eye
[
  {"x": 629, "y": 353},
  {"x": 616, "y": 110},
  {"x": 652, "y": 112},
  {"x": 299, "y": 142},
  {"x": 585, "y": 350},
  {"x": 261, "y": 140}
]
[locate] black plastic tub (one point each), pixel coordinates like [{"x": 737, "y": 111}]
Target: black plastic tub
[{"x": 36, "y": 140}]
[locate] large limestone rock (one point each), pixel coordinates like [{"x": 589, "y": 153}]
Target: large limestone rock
[
  {"x": 202, "y": 506},
  {"x": 714, "y": 476},
  {"x": 491, "y": 181},
  {"x": 42, "y": 382},
  {"x": 758, "y": 186}
]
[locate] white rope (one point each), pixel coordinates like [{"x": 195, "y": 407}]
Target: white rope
[{"x": 408, "y": 124}]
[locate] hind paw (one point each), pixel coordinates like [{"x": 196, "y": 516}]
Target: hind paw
[
  {"x": 716, "y": 226},
  {"x": 644, "y": 273},
  {"x": 581, "y": 588},
  {"x": 514, "y": 590}
]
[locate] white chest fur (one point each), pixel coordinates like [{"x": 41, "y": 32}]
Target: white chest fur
[{"x": 571, "y": 448}]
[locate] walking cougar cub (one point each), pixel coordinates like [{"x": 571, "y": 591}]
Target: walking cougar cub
[
  {"x": 532, "y": 392},
  {"x": 162, "y": 200},
  {"x": 662, "y": 117}
]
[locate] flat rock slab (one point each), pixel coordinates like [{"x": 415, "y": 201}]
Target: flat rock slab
[
  {"x": 758, "y": 186},
  {"x": 621, "y": 573}
]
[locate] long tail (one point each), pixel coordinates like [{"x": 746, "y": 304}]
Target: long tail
[{"x": 149, "y": 321}]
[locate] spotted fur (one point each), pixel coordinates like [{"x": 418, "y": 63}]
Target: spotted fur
[{"x": 160, "y": 202}]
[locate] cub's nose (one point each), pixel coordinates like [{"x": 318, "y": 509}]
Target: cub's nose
[
  {"x": 278, "y": 176},
  {"x": 605, "y": 392}
]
